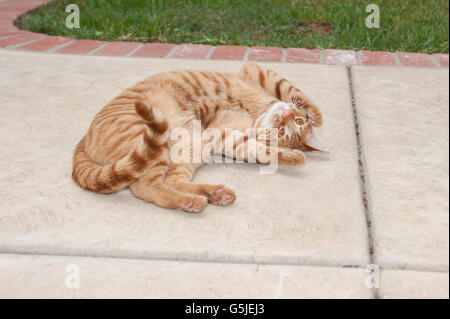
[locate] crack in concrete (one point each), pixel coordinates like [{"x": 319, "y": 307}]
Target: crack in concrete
[
  {"x": 258, "y": 263},
  {"x": 364, "y": 195}
]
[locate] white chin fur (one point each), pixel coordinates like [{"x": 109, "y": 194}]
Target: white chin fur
[{"x": 265, "y": 118}]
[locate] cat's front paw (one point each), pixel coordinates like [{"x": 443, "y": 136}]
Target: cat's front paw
[
  {"x": 221, "y": 196},
  {"x": 291, "y": 157}
]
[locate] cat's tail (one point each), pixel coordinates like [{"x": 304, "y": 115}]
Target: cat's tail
[{"x": 115, "y": 176}]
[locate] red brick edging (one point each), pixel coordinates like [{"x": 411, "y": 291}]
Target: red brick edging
[{"x": 15, "y": 39}]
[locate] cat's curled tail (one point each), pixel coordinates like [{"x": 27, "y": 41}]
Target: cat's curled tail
[{"x": 115, "y": 176}]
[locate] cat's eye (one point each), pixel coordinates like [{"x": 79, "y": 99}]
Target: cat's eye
[
  {"x": 299, "y": 121},
  {"x": 281, "y": 132}
]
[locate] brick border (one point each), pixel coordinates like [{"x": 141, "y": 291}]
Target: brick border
[{"x": 15, "y": 39}]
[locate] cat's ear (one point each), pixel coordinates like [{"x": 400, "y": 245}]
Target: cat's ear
[{"x": 315, "y": 144}]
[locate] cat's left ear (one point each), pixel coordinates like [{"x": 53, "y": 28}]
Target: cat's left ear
[{"x": 315, "y": 144}]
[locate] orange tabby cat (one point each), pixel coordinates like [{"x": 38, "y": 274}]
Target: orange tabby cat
[{"x": 128, "y": 141}]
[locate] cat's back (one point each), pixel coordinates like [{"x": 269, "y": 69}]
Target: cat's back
[{"x": 179, "y": 95}]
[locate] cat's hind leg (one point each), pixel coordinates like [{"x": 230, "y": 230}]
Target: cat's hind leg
[
  {"x": 153, "y": 189},
  {"x": 280, "y": 88},
  {"x": 180, "y": 177}
]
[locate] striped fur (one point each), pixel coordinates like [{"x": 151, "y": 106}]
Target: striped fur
[
  {"x": 151, "y": 142},
  {"x": 128, "y": 142}
]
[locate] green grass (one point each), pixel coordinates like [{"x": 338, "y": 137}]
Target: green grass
[{"x": 405, "y": 25}]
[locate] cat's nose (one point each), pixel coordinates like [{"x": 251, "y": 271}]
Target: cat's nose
[{"x": 286, "y": 114}]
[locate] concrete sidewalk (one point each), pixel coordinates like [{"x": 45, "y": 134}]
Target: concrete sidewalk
[{"x": 380, "y": 197}]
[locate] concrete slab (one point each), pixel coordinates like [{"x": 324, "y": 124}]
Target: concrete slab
[
  {"x": 309, "y": 215},
  {"x": 404, "y": 122},
  {"x": 59, "y": 277},
  {"x": 401, "y": 284}
]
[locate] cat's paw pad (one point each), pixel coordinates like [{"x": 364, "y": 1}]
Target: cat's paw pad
[
  {"x": 222, "y": 196},
  {"x": 291, "y": 157},
  {"x": 195, "y": 204}
]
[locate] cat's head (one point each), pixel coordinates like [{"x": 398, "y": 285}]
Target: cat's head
[{"x": 294, "y": 123}]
